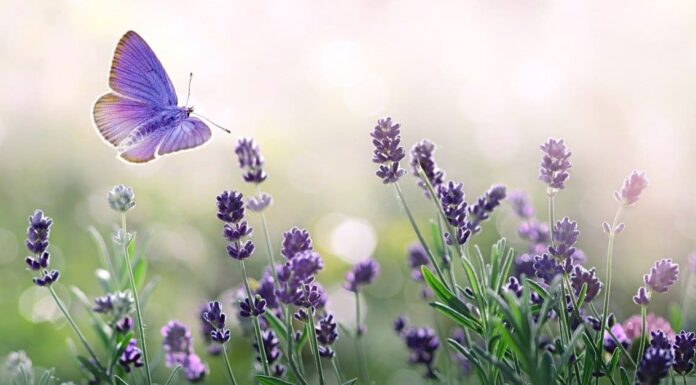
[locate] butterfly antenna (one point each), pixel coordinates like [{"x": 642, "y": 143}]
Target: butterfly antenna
[
  {"x": 213, "y": 123},
  {"x": 188, "y": 95}
]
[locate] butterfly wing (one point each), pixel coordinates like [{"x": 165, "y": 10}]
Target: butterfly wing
[
  {"x": 144, "y": 150},
  {"x": 116, "y": 117},
  {"x": 137, "y": 73},
  {"x": 189, "y": 133}
]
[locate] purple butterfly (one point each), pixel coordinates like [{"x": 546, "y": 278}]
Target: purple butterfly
[{"x": 141, "y": 117}]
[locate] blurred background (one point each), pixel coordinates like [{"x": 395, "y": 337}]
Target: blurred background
[{"x": 486, "y": 81}]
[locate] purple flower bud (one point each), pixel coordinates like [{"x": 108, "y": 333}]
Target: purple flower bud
[
  {"x": 417, "y": 257},
  {"x": 654, "y": 366},
  {"x": 124, "y": 325},
  {"x": 250, "y": 160},
  {"x": 484, "y": 206},
  {"x": 513, "y": 286},
  {"x": 39, "y": 263},
  {"x": 266, "y": 289},
  {"x": 519, "y": 200},
  {"x": 620, "y": 334},
  {"x": 103, "y": 304},
  {"x": 619, "y": 228},
  {"x": 259, "y": 202},
  {"x": 327, "y": 334},
  {"x": 422, "y": 158},
  {"x": 386, "y": 137},
  {"x": 132, "y": 356},
  {"x": 662, "y": 276},
  {"x": 400, "y": 323},
  {"x": 555, "y": 163},
  {"x": 633, "y": 186},
  {"x": 422, "y": 344},
  {"x": 606, "y": 227},
  {"x": 38, "y": 232},
  {"x": 194, "y": 368},
  {"x": 271, "y": 347},
  {"x": 295, "y": 241},
  {"x": 216, "y": 318},
  {"x": 121, "y": 198},
  {"x": 236, "y": 231},
  {"x": 230, "y": 206},
  {"x": 684, "y": 351},
  {"x": 565, "y": 235},
  {"x": 177, "y": 343},
  {"x": 306, "y": 264},
  {"x": 363, "y": 273},
  {"x": 248, "y": 309},
  {"x": 658, "y": 339},
  {"x": 581, "y": 276},
  {"x": 451, "y": 197},
  {"x": 240, "y": 251},
  {"x": 546, "y": 268},
  {"x": 642, "y": 297},
  {"x": 47, "y": 278},
  {"x": 206, "y": 329}
]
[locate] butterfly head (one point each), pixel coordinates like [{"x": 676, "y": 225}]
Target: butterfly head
[{"x": 188, "y": 111}]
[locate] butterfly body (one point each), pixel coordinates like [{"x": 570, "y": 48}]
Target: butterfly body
[{"x": 141, "y": 117}]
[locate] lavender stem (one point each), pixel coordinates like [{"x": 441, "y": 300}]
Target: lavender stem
[
  {"x": 227, "y": 364},
  {"x": 607, "y": 291},
  {"x": 358, "y": 342},
  {"x": 255, "y": 319}
]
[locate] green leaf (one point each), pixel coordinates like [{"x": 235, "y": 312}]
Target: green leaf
[
  {"x": 350, "y": 382},
  {"x": 461, "y": 319},
  {"x": 303, "y": 338},
  {"x": 122, "y": 341},
  {"x": 613, "y": 364},
  {"x": 472, "y": 359},
  {"x": 121, "y": 380},
  {"x": 140, "y": 272},
  {"x": 442, "y": 292},
  {"x": 436, "y": 234},
  {"x": 266, "y": 380},
  {"x": 92, "y": 368},
  {"x": 276, "y": 325},
  {"x": 624, "y": 377}
]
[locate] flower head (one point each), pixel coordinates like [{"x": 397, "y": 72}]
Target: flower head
[
  {"x": 581, "y": 276},
  {"x": 642, "y": 297},
  {"x": 684, "y": 351},
  {"x": 216, "y": 318},
  {"x": 259, "y": 203},
  {"x": 633, "y": 186},
  {"x": 417, "y": 257},
  {"x": 327, "y": 334},
  {"x": 422, "y": 344},
  {"x": 386, "y": 137},
  {"x": 38, "y": 232},
  {"x": 654, "y": 366},
  {"x": 206, "y": 330},
  {"x": 271, "y": 347},
  {"x": 618, "y": 331},
  {"x": 422, "y": 160},
  {"x": 484, "y": 206},
  {"x": 546, "y": 268},
  {"x": 230, "y": 206},
  {"x": 266, "y": 289},
  {"x": 177, "y": 343},
  {"x": 662, "y": 276},
  {"x": 250, "y": 160},
  {"x": 519, "y": 200},
  {"x": 565, "y": 235},
  {"x": 295, "y": 240},
  {"x": 248, "y": 308},
  {"x": 121, "y": 198},
  {"x": 132, "y": 356},
  {"x": 362, "y": 273},
  {"x": 555, "y": 164}
]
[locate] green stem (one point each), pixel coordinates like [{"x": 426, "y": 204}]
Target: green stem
[
  {"x": 336, "y": 370},
  {"x": 255, "y": 320},
  {"x": 138, "y": 312},
  {"x": 72, "y": 323},
  {"x": 614, "y": 338},
  {"x": 643, "y": 326},
  {"x": 172, "y": 374},
  {"x": 419, "y": 235},
  {"x": 607, "y": 280},
  {"x": 227, "y": 364},
  {"x": 291, "y": 336},
  {"x": 358, "y": 343},
  {"x": 267, "y": 237},
  {"x": 315, "y": 348}
]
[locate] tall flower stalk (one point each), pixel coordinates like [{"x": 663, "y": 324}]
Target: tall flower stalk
[
  {"x": 362, "y": 273},
  {"x": 122, "y": 199},
  {"x": 217, "y": 320}
]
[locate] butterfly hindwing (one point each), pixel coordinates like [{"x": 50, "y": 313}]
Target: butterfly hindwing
[
  {"x": 137, "y": 73},
  {"x": 116, "y": 117},
  {"x": 190, "y": 133}
]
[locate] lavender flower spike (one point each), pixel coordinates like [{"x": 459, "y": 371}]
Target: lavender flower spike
[
  {"x": 582, "y": 276},
  {"x": 521, "y": 204},
  {"x": 121, "y": 198},
  {"x": 132, "y": 356},
  {"x": 178, "y": 347},
  {"x": 654, "y": 366},
  {"x": 363, "y": 273},
  {"x": 555, "y": 163},
  {"x": 662, "y": 276},
  {"x": 37, "y": 243},
  {"x": 216, "y": 318},
  {"x": 295, "y": 240},
  {"x": 642, "y": 297},
  {"x": 250, "y": 160},
  {"x": 633, "y": 186},
  {"x": 422, "y": 159},
  {"x": 484, "y": 206},
  {"x": 684, "y": 351},
  {"x": 386, "y": 137}
]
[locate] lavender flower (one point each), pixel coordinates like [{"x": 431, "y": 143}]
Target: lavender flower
[
  {"x": 662, "y": 276},
  {"x": 536, "y": 233},
  {"x": 178, "y": 347},
  {"x": 422, "y": 159},
  {"x": 266, "y": 289},
  {"x": 363, "y": 273},
  {"x": 400, "y": 323},
  {"x": 103, "y": 304},
  {"x": 306, "y": 264},
  {"x": 684, "y": 351},
  {"x": 124, "y": 325},
  {"x": 327, "y": 334},
  {"x": 250, "y": 160},
  {"x": 248, "y": 309},
  {"x": 581, "y": 276},
  {"x": 519, "y": 200},
  {"x": 546, "y": 268},
  {"x": 386, "y": 137},
  {"x": 565, "y": 235},
  {"x": 132, "y": 356},
  {"x": 230, "y": 206},
  {"x": 513, "y": 286},
  {"x": 47, "y": 278},
  {"x": 38, "y": 231},
  {"x": 654, "y": 366},
  {"x": 259, "y": 202},
  {"x": 484, "y": 206},
  {"x": 422, "y": 344},
  {"x": 658, "y": 339},
  {"x": 642, "y": 297},
  {"x": 271, "y": 347},
  {"x": 451, "y": 196},
  {"x": 555, "y": 164},
  {"x": 217, "y": 319},
  {"x": 524, "y": 265},
  {"x": 231, "y": 210},
  {"x": 633, "y": 186},
  {"x": 206, "y": 330},
  {"x": 417, "y": 257},
  {"x": 618, "y": 331},
  {"x": 121, "y": 198},
  {"x": 295, "y": 241}
]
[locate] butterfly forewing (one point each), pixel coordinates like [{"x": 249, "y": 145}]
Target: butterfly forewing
[{"x": 116, "y": 117}]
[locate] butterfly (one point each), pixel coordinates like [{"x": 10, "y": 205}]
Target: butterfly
[{"x": 141, "y": 117}]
